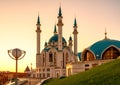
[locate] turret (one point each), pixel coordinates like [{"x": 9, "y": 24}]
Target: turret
[
  {"x": 75, "y": 32},
  {"x": 45, "y": 44},
  {"x": 60, "y": 24},
  {"x": 70, "y": 43},
  {"x": 55, "y": 30},
  {"x": 38, "y": 32}
]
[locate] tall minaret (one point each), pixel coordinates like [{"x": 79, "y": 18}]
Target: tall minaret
[
  {"x": 75, "y": 32},
  {"x": 60, "y": 24},
  {"x": 38, "y": 31}
]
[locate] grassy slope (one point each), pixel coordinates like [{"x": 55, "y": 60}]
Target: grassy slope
[{"x": 106, "y": 74}]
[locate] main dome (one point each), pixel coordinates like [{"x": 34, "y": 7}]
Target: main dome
[
  {"x": 99, "y": 47},
  {"x": 54, "y": 38}
]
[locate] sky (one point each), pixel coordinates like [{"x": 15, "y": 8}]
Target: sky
[{"x": 18, "y": 20}]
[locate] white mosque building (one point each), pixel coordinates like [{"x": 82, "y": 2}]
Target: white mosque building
[
  {"x": 58, "y": 59},
  {"x": 52, "y": 60}
]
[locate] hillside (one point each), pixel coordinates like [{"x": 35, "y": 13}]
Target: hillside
[{"x": 106, "y": 74}]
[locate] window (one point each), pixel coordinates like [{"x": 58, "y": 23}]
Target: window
[
  {"x": 43, "y": 60},
  {"x": 66, "y": 58},
  {"x": 111, "y": 53},
  {"x": 88, "y": 56},
  {"x": 55, "y": 59},
  {"x": 63, "y": 61},
  {"x": 43, "y": 69},
  {"x": 40, "y": 75},
  {"x": 50, "y": 57},
  {"x": 48, "y": 75},
  {"x": 48, "y": 69},
  {"x": 39, "y": 70},
  {"x": 43, "y": 75},
  {"x": 86, "y": 65}
]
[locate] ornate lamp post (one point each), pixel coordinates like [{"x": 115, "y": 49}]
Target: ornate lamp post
[{"x": 16, "y": 54}]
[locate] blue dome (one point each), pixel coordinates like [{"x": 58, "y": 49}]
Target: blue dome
[
  {"x": 98, "y": 47},
  {"x": 54, "y": 38}
]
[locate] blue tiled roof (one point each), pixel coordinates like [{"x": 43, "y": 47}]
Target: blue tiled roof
[
  {"x": 98, "y": 47},
  {"x": 47, "y": 49},
  {"x": 79, "y": 55},
  {"x": 54, "y": 38}
]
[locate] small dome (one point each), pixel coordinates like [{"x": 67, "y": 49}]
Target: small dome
[
  {"x": 54, "y": 38},
  {"x": 99, "y": 47}
]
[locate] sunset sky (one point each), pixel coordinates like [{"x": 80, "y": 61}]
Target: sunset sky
[{"x": 18, "y": 24}]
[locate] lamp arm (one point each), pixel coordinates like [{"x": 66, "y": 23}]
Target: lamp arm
[
  {"x": 23, "y": 52},
  {"x": 10, "y": 55}
]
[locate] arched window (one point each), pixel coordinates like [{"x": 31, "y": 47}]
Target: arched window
[
  {"x": 111, "y": 53},
  {"x": 67, "y": 58},
  {"x": 63, "y": 61},
  {"x": 88, "y": 56},
  {"x": 55, "y": 58},
  {"x": 50, "y": 57},
  {"x": 43, "y": 60}
]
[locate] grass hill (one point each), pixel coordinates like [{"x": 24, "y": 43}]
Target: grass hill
[{"x": 106, "y": 74}]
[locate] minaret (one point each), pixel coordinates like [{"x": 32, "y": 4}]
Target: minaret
[
  {"x": 70, "y": 43},
  {"x": 75, "y": 32},
  {"x": 38, "y": 32},
  {"x": 60, "y": 24}
]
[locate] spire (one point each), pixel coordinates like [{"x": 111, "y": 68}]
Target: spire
[
  {"x": 45, "y": 44},
  {"x": 75, "y": 23},
  {"x": 60, "y": 12},
  {"x": 55, "y": 30},
  {"x": 27, "y": 69},
  {"x": 105, "y": 34},
  {"x": 75, "y": 27},
  {"x": 70, "y": 38},
  {"x": 38, "y": 21}
]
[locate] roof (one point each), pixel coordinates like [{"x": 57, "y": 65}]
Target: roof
[
  {"x": 79, "y": 55},
  {"x": 54, "y": 38},
  {"x": 99, "y": 47},
  {"x": 48, "y": 48},
  {"x": 27, "y": 69}
]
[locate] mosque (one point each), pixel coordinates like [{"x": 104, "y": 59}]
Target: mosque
[{"x": 59, "y": 59}]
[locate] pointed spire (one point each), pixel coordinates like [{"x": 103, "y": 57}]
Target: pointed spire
[
  {"x": 105, "y": 34},
  {"x": 31, "y": 66},
  {"x": 38, "y": 20},
  {"x": 55, "y": 30},
  {"x": 27, "y": 69},
  {"x": 75, "y": 22},
  {"x": 45, "y": 44},
  {"x": 70, "y": 38},
  {"x": 60, "y": 12}
]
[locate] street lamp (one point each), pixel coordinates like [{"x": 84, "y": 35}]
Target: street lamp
[{"x": 16, "y": 54}]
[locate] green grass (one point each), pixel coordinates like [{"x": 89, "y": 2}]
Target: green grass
[{"x": 106, "y": 74}]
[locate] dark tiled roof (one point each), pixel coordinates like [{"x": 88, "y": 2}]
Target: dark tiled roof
[
  {"x": 54, "y": 38},
  {"x": 99, "y": 47}
]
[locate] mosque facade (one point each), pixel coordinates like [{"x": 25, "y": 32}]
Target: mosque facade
[
  {"x": 52, "y": 60},
  {"x": 58, "y": 59}
]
